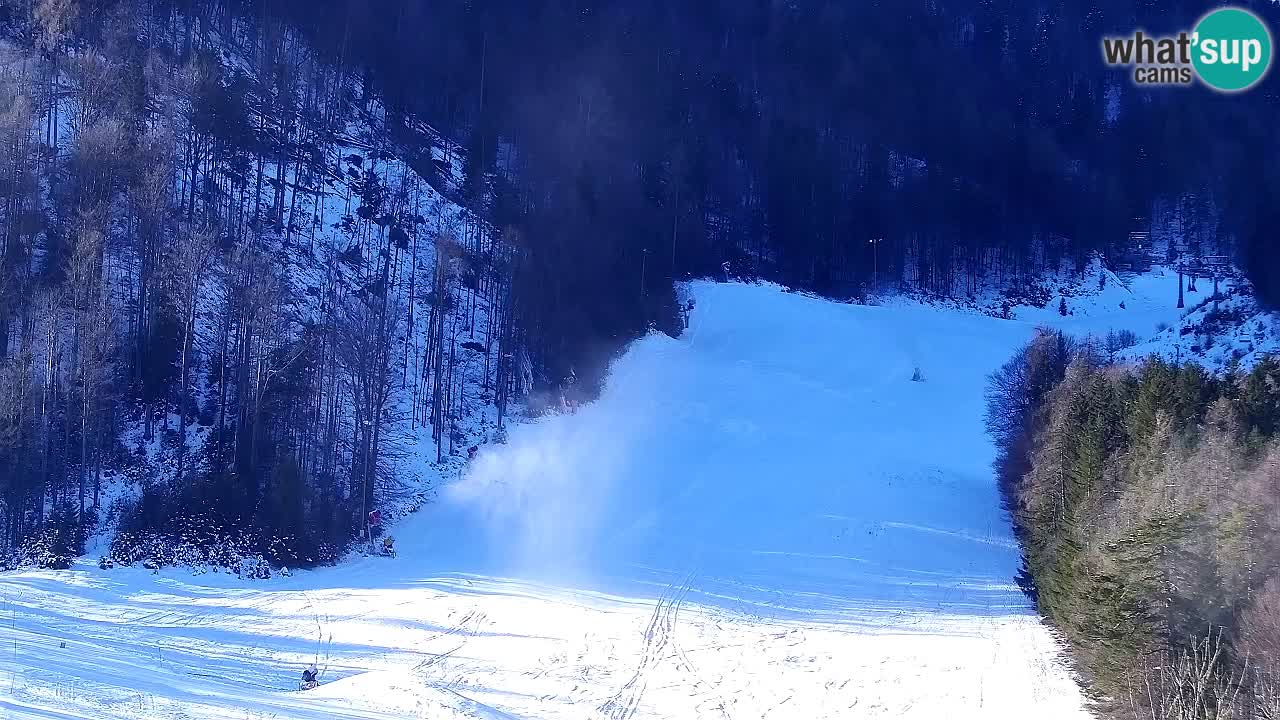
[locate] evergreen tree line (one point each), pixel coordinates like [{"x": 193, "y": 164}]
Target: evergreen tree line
[
  {"x": 1147, "y": 503},
  {"x": 210, "y": 288}
]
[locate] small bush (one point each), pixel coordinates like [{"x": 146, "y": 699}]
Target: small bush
[
  {"x": 1118, "y": 340},
  {"x": 56, "y": 545},
  {"x": 160, "y": 531},
  {"x": 1031, "y": 294}
]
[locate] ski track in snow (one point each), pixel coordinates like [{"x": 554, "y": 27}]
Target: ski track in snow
[{"x": 762, "y": 519}]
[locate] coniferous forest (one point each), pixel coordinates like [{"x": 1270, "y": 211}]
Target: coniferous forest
[
  {"x": 276, "y": 243},
  {"x": 1147, "y": 505}
]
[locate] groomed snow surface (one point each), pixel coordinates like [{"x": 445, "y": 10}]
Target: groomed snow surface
[{"x": 766, "y": 518}]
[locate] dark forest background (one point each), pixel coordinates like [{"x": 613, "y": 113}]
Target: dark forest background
[
  {"x": 976, "y": 137},
  {"x": 155, "y": 156}
]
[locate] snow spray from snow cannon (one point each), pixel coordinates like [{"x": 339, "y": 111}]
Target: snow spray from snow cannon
[{"x": 549, "y": 502}]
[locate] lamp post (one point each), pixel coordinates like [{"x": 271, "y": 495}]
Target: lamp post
[
  {"x": 875, "y": 263},
  {"x": 644, "y": 261}
]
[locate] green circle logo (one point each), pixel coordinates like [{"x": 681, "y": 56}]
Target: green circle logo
[{"x": 1232, "y": 49}]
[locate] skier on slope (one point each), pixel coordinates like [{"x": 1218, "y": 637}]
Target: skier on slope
[{"x": 388, "y": 546}]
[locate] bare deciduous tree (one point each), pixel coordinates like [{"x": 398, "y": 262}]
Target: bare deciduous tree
[{"x": 188, "y": 266}]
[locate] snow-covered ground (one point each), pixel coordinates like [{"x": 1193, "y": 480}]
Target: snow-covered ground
[{"x": 766, "y": 518}]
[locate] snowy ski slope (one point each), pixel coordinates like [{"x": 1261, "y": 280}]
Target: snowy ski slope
[{"x": 765, "y": 518}]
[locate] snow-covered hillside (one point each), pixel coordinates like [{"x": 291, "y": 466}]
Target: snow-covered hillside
[
  {"x": 1216, "y": 333},
  {"x": 766, "y": 518}
]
